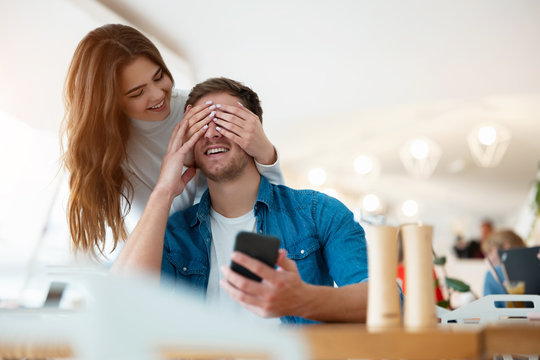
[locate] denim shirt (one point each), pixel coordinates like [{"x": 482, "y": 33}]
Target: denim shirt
[{"x": 318, "y": 232}]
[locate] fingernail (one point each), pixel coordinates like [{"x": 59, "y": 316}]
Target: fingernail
[
  {"x": 215, "y": 120},
  {"x": 239, "y": 103},
  {"x": 218, "y": 128},
  {"x": 218, "y": 105},
  {"x": 205, "y": 127},
  {"x": 208, "y": 102},
  {"x": 212, "y": 107},
  {"x": 212, "y": 114}
]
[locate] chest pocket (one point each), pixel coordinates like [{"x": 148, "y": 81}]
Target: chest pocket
[
  {"x": 302, "y": 249},
  {"x": 191, "y": 272},
  {"x": 308, "y": 255}
]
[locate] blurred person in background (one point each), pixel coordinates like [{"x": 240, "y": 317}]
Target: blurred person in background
[
  {"x": 499, "y": 240},
  {"x": 472, "y": 249}
]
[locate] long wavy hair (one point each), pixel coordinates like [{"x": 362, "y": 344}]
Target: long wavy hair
[{"x": 97, "y": 132}]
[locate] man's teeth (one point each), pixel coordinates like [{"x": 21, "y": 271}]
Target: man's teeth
[
  {"x": 158, "y": 105},
  {"x": 216, "y": 150}
]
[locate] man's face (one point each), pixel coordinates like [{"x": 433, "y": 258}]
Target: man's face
[{"x": 219, "y": 158}]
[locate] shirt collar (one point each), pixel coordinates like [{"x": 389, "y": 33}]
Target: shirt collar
[
  {"x": 264, "y": 196},
  {"x": 203, "y": 210}
]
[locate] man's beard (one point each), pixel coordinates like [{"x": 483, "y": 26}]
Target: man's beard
[{"x": 227, "y": 172}]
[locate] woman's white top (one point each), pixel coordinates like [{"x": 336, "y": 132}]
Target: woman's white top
[{"x": 145, "y": 150}]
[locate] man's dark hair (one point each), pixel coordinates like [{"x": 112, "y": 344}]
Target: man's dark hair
[{"x": 248, "y": 97}]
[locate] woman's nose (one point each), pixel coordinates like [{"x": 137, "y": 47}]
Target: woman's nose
[{"x": 156, "y": 92}]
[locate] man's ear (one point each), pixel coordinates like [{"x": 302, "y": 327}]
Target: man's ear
[{"x": 187, "y": 109}]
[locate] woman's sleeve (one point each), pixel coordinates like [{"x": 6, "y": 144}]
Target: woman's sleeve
[
  {"x": 272, "y": 172},
  {"x": 191, "y": 193}
]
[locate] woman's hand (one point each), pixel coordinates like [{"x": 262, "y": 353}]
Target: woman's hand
[
  {"x": 196, "y": 117},
  {"x": 240, "y": 125},
  {"x": 172, "y": 179}
]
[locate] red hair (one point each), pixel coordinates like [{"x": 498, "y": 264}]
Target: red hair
[{"x": 97, "y": 132}]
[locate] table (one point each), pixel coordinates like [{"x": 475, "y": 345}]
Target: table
[
  {"x": 512, "y": 339},
  {"x": 344, "y": 341}
]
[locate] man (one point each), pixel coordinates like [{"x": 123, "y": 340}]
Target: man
[{"x": 321, "y": 243}]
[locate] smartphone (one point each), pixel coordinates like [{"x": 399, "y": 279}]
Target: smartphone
[{"x": 261, "y": 247}]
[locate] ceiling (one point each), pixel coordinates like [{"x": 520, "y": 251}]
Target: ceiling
[{"x": 336, "y": 79}]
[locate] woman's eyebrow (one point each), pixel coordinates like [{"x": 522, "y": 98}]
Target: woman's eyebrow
[{"x": 143, "y": 85}]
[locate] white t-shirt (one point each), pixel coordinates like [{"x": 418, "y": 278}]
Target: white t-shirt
[
  {"x": 224, "y": 232},
  {"x": 145, "y": 150}
]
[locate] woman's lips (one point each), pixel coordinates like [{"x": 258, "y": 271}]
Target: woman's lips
[{"x": 158, "y": 107}]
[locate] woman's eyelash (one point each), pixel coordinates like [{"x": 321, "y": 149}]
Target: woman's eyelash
[
  {"x": 138, "y": 94},
  {"x": 158, "y": 77}
]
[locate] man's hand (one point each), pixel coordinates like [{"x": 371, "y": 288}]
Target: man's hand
[
  {"x": 171, "y": 179},
  {"x": 281, "y": 292},
  {"x": 240, "y": 125}
]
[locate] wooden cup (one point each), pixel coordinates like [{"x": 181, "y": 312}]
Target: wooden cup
[
  {"x": 383, "y": 297},
  {"x": 419, "y": 311}
]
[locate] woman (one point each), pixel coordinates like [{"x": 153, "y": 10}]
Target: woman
[
  {"x": 121, "y": 109},
  {"x": 500, "y": 240}
]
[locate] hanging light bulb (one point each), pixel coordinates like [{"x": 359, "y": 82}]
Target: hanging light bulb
[
  {"x": 409, "y": 208},
  {"x": 368, "y": 169},
  {"x": 371, "y": 203},
  {"x": 487, "y": 135},
  {"x": 488, "y": 143},
  {"x": 317, "y": 176},
  {"x": 419, "y": 149},
  {"x": 420, "y": 156},
  {"x": 363, "y": 164}
]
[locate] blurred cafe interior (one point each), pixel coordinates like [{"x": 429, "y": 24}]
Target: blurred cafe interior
[{"x": 406, "y": 111}]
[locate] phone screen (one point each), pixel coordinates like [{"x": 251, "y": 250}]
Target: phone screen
[{"x": 261, "y": 247}]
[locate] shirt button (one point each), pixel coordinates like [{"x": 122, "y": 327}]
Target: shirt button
[
  {"x": 302, "y": 251},
  {"x": 184, "y": 268},
  {"x": 260, "y": 231}
]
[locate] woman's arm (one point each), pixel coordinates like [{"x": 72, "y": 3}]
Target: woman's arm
[
  {"x": 144, "y": 247},
  {"x": 272, "y": 172}
]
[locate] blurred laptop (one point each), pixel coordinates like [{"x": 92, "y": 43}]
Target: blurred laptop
[
  {"x": 523, "y": 264},
  {"x": 54, "y": 295}
]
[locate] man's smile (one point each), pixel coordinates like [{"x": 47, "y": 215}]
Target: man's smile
[{"x": 216, "y": 150}]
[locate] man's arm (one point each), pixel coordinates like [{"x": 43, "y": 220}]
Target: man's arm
[
  {"x": 143, "y": 250},
  {"x": 283, "y": 293}
]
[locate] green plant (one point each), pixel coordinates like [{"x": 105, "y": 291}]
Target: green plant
[
  {"x": 535, "y": 208},
  {"x": 536, "y": 203},
  {"x": 452, "y": 284}
]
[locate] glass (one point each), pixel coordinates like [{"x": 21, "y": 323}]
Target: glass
[{"x": 515, "y": 288}]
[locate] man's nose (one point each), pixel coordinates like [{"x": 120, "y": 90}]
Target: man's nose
[{"x": 212, "y": 131}]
